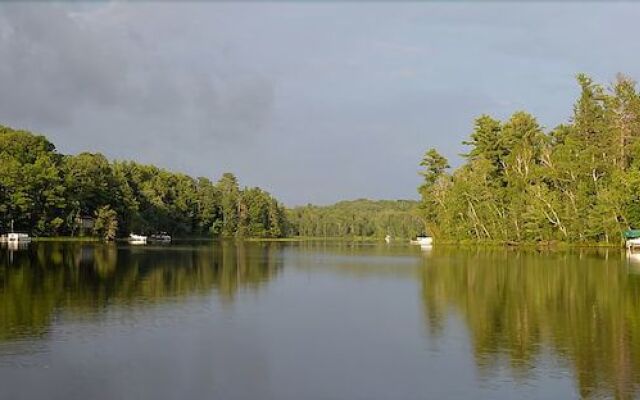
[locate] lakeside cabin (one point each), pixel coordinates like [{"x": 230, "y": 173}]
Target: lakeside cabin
[{"x": 84, "y": 223}]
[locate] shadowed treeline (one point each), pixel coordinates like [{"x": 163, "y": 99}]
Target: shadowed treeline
[
  {"x": 581, "y": 307},
  {"x": 85, "y": 278}
]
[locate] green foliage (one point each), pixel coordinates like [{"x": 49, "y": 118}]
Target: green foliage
[
  {"x": 106, "y": 223},
  {"x": 357, "y": 218},
  {"x": 576, "y": 183},
  {"x": 30, "y": 185},
  {"x": 47, "y": 193},
  {"x": 230, "y": 205}
]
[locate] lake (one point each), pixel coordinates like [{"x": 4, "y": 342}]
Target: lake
[{"x": 314, "y": 320}]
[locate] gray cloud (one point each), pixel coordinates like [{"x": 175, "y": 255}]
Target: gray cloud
[
  {"x": 316, "y": 102},
  {"x": 59, "y": 63}
]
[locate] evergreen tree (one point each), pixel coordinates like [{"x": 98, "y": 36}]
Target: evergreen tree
[
  {"x": 576, "y": 183},
  {"x": 229, "y": 201}
]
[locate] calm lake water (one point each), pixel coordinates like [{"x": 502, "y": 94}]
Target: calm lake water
[{"x": 316, "y": 321}]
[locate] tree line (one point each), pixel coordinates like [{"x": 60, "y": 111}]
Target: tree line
[
  {"x": 357, "y": 218},
  {"x": 578, "y": 182},
  {"x": 47, "y": 193}
]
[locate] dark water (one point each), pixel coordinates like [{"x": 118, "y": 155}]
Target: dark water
[{"x": 316, "y": 321}]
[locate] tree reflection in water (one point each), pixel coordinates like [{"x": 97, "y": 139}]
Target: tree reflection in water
[
  {"x": 86, "y": 277},
  {"x": 583, "y": 307}
]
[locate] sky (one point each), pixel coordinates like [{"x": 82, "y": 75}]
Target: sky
[{"x": 315, "y": 102}]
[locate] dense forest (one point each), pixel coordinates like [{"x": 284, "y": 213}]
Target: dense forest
[
  {"x": 578, "y": 182},
  {"x": 357, "y": 218},
  {"x": 48, "y": 193}
]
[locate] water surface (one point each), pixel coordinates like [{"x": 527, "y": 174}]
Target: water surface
[{"x": 211, "y": 320}]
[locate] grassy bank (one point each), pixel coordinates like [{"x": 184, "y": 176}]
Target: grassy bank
[
  {"x": 559, "y": 245},
  {"x": 66, "y": 239},
  {"x": 325, "y": 239}
]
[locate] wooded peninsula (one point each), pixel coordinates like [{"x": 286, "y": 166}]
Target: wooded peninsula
[
  {"x": 578, "y": 182},
  {"x": 46, "y": 193}
]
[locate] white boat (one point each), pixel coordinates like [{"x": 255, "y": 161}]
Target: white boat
[
  {"x": 423, "y": 241},
  {"x": 161, "y": 237},
  {"x": 18, "y": 237},
  {"x": 137, "y": 239},
  {"x": 15, "y": 237},
  {"x": 633, "y": 243}
]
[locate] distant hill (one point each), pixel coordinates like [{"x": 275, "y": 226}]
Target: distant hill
[{"x": 357, "y": 218}]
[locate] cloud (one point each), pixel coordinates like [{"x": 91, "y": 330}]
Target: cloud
[
  {"x": 59, "y": 62},
  {"x": 315, "y": 101}
]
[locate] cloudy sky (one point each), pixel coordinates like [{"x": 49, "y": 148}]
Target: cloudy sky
[{"x": 315, "y": 102}]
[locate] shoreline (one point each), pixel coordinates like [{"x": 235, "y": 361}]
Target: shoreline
[{"x": 551, "y": 245}]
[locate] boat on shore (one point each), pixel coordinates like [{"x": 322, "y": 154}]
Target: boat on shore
[
  {"x": 137, "y": 239},
  {"x": 162, "y": 237},
  {"x": 633, "y": 243},
  {"x": 15, "y": 237},
  {"x": 422, "y": 241}
]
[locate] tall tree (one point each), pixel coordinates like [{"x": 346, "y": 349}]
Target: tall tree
[
  {"x": 229, "y": 201},
  {"x": 575, "y": 183}
]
